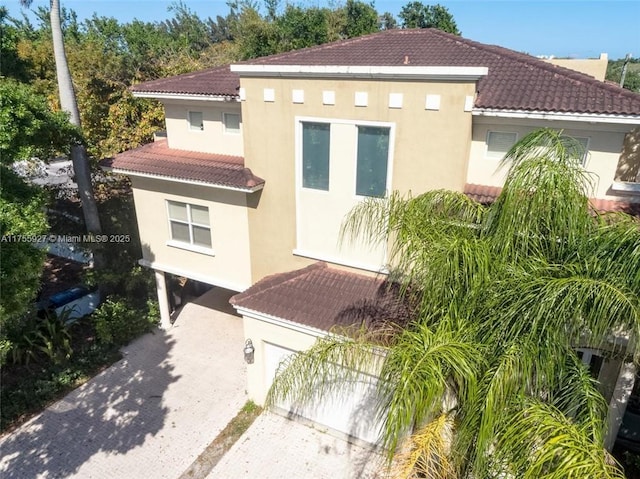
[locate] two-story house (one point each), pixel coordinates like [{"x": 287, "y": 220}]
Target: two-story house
[{"x": 323, "y": 128}]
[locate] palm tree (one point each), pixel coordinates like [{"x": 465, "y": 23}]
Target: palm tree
[
  {"x": 485, "y": 382},
  {"x": 69, "y": 104}
]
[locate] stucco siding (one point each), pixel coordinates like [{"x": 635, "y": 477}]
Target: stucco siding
[
  {"x": 228, "y": 264},
  {"x": 213, "y": 138},
  {"x": 604, "y": 148},
  {"x": 430, "y": 148}
]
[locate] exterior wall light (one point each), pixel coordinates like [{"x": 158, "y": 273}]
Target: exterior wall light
[{"x": 248, "y": 351}]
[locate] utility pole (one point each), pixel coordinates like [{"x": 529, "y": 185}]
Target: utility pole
[{"x": 624, "y": 69}]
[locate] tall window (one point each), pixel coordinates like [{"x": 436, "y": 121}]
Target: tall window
[
  {"x": 373, "y": 156},
  {"x": 315, "y": 155},
  {"x": 498, "y": 143},
  {"x": 189, "y": 224},
  {"x": 195, "y": 121}
]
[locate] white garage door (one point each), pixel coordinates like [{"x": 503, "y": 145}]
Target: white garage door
[{"x": 351, "y": 411}]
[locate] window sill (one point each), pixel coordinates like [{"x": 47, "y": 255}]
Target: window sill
[{"x": 191, "y": 247}]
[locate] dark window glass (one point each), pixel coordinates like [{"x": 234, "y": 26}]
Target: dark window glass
[
  {"x": 373, "y": 155},
  {"x": 315, "y": 156}
]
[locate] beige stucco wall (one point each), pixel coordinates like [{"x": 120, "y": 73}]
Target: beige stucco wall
[
  {"x": 596, "y": 67},
  {"x": 229, "y": 267},
  {"x": 430, "y": 149},
  {"x": 213, "y": 138},
  {"x": 605, "y": 146},
  {"x": 261, "y": 332}
]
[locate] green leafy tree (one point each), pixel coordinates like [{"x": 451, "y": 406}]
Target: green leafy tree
[
  {"x": 632, "y": 77},
  {"x": 301, "y": 27},
  {"x": 361, "y": 19},
  {"x": 418, "y": 15},
  {"x": 11, "y": 64},
  {"x": 485, "y": 380},
  {"x": 29, "y": 130}
]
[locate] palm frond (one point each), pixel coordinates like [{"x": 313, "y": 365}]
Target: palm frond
[
  {"x": 541, "y": 442},
  {"x": 420, "y": 371},
  {"x": 323, "y": 369},
  {"x": 578, "y": 398},
  {"x": 543, "y": 206},
  {"x": 426, "y": 452}
]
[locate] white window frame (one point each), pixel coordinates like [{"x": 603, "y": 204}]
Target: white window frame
[
  {"x": 190, "y": 124},
  {"x": 299, "y": 158},
  {"x": 298, "y": 121},
  {"x": 191, "y": 246},
  {"x": 389, "y": 157},
  {"x": 228, "y": 131},
  {"x": 487, "y": 153}
]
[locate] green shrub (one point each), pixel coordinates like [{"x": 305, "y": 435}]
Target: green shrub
[
  {"x": 117, "y": 322},
  {"x": 43, "y": 340}
]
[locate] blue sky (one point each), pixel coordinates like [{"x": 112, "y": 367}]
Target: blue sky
[{"x": 578, "y": 28}]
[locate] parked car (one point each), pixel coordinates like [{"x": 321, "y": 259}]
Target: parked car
[{"x": 78, "y": 300}]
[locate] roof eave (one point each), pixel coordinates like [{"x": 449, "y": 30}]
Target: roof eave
[
  {"x": 184, "y": 96},
  {"x": 450, "y": 73},
  {"x": 277, "y": 321},
  {"x": 121, "y": 171},
  {"x": 555, "y": 115}
]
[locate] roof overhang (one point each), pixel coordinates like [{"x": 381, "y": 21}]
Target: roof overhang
[
  {"x": 286, "y": 323},
  {"x": 356, "y": 71},
  {"x": 559, "y": 116},
  {"x": 184, "y": 96},
  {"x": 218, "y": 186}
]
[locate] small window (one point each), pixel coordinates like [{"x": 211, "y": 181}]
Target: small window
[
  {"x": 373, "y": 157},
  {"x": 195, "y": 121},
  {"x": 315, "y": 155},
  {"x": 231, "y": 123},
  {"x": 498, "y": 143},
  {"x": 189, "y": 223}
]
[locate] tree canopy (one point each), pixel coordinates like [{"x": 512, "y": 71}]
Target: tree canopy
[
  {"x": 418, "y": 15},
  {"x": 30, "y": 130}
]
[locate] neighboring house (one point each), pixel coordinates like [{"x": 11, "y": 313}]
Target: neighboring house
[{"x": 407, "y": 110}]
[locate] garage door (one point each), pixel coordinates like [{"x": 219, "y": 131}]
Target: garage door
[{"x": 351, "y": 411}]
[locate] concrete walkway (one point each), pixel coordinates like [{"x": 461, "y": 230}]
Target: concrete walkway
[{"x": 149, "y": 415}]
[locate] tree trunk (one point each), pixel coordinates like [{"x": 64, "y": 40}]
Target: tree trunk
[{"x": 68, "y": 103}]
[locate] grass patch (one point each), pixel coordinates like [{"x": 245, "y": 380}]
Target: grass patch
[{"x": 206, "y": 461}]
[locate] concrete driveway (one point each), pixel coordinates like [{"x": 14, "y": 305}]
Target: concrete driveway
[
  {"x": 149, "y": 415},
  {"x": 275, "y": 447}
]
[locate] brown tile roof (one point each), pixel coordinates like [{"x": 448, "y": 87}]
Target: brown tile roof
[
  {"x": 515, "y": 81},
  {"x": 219, "y": 81},
  {"x": 487, "y": 194},
  {"x": 322, "y": 297},
  {"x": 158, "y": 159}
]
